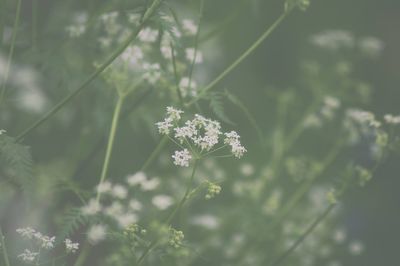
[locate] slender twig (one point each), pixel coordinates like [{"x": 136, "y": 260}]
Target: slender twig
[
  {"x": 311, "y": 229},
  {"x": 154, "y": 154},
  {"x": 240, "y": 59},
  {"x": 4, "y": 249},
  {"x": 11, "y": 52},
  {"x": 171, "y": 216},
  {"x": 178, "y": 89},
  {"x": 111, "y": 138},
  {"x": 150, "y": 11}
]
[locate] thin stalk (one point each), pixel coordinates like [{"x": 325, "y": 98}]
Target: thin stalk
[
  {"x": 99, "y": 70},
  {"x": 171, "y": 216},
  {"x": 34, "y": 23},
  {"x": 83, "y": 255},
  {"x": 111, "y": 138},
  {"x": 178, "y": 90},
  {"x": 311, "y": 229},
  {"x": 11, "y": 52},
  {"x": 240, "y": 59},
  {"x": 154, "y": 154},
  {"x": 4, "y": 249}
]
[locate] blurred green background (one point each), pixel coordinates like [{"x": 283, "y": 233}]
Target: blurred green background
[{"x": 372, "y": 214}]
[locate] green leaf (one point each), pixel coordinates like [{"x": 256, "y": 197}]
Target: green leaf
[
  {"x": 217, "y": 106},
  {"x": 16, "y": 161}
]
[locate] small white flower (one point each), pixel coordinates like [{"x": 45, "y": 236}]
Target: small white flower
[
  {"x": 119, "y": 191},
  {"x": 2, "y": 131},
  {"x": 70, "y": 246},
  {"x": 181, "y": 158},
  {"x": 96, "y": 233},
  {"x": 356, "y": 248},
  {"x": 165, "y": 126},
  {"x": 391, "y": 119},
  {"x": 91, "y": 208},
  {"x": 27, "y": 232},
  {"x": 150, "y": 184},
  {"x": 339, "y": 236},
  {"x": 162, "y": 202},
  {"x": 132, "y": 56},
  {"x": 104, "y": 187},
  {"x": 148, "y": 35},
  {"x": 152, "y": 73},
  {"x": 371, "y": 46},
  {"x": 166, "y": 51},
  {"x": 28, "y": 256},
  {"x": 46, "y": 241},
  {"x": 191, "y": 53},
  {"x": 207, "y": 221},
  {"x": 136, "y": 179},
  {"x": 185, "y": 89},
  {"x": 174, "y": 114},
  {"x": 135, "y": 205},
  {"x": 126, "y": 219},
  {"x": 189, "y": 26}
]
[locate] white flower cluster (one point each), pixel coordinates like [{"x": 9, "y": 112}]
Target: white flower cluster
[
  {"x": 28, "y": 256},
  {"x": 363, "y": 117},
  {"x": 2, "y": 131},
  {"x": 78, "y": 26},
  {"x": 200, "y": 133},
  {"x": 334, "y": 40},
  {"x": 44, "y": 241},
  {"x": 41, "y": 242},
  {"x": 70, "y": 246},
  {"x": 391, "y": 119}
]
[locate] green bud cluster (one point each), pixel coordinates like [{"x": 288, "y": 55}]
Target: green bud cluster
[
  {"x": 212, "y": 190},
  {"x": 175, "y": 238}
]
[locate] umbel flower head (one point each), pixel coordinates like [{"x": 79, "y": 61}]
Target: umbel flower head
[{"x": 198, "y": 137}]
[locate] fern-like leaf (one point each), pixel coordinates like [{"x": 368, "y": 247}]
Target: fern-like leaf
[
  {"x": 16, "y": 161},
  {"x": 217, "y": 106}
]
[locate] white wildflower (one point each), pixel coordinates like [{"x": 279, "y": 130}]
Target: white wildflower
[
  {"x": 126, "y": 219},
  {"x": 135, "y": 205},
  {"x": 189, "y": 26},
  {"x": 181, "y": 158},
  {"x": 391, "y": 119},
  {"x": 166, "y": 51},
  {"x": 162, "y": 202},
  {"x": 356, "y": 248},
  {"x": 96, "y": 233},
  {"x": 207, "y": 221},
  {"x": 232, "y": 139},
  {"x": 173, "y": 113},
  {"x": 191, "y": 53},
  {"x": 165, "y": 126},
  {"x": 91, "y": 208},
  {"x": 132, "y": 56},
  {"x": 339, "y": 236},
  {"x": 46, "y": 241},
  {"x": 2, "y": 131},
  {"x": 152, "y": 72},
  {"x": 119, "y": 192},
  {"x": 333, "y": 40},
  {"x": 371, "y": 46},
  {"x": 148, "y": 35},
  {"x": 150, "y": 184},
  {"x": 28, "y": 256},
  {"x": 104, "y": 187},
  {"x": 186, "y": 88},
  {"x": 70, "y": 246},
  {"x": 26, "y": 232},
  {"x": 136, "y": 179}
]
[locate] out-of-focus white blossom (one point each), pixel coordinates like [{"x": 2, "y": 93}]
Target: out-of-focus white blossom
[
  {"x": 70, "y": 246},
  {"x": 162, "y": 202},
  {"x": 96, "y": 233}
]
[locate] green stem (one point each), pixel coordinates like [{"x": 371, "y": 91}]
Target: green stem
[
  {"x": 99, "y": 70},
  {"x": 111, "y": 138},
  {"x": 11, "y": 52},
  {"x": 155, "y": 152},
  {"x": 172, "y": 215},
  {"x": 239, "y": 60},
  {"x": 83, "y": 255},
  {"x": 34, "y": 23},
  {"x": 4, "y": 249},
  {"x": 178, "y": 90},
  {"x": 311, "y": 229}
]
